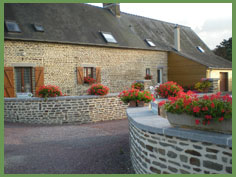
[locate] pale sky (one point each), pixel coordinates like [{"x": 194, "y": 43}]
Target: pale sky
[{"x": 211, "y": 21}]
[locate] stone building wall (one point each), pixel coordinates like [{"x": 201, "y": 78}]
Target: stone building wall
[
  {"x": 119, "y": 67},
  {"x": 69, "y": 109}
]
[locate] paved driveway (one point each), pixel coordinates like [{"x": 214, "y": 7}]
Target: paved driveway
[{"x": 100, "y": 148}]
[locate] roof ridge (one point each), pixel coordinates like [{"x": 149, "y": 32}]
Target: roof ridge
[{"x": 139, "y": 16}]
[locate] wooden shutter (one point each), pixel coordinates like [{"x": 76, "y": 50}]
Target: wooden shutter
[
  {"x": 39, "y": 77},
  {"x": 98, "y": 74},
  {"x": 80, "y": 75},
  {"x": 9, "y": 82}
]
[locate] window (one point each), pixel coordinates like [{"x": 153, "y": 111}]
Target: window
[
  {"x": 38, "y": 28},
  {"x": 159, "y": 76},
  {"x": 148, "y": 71},
  {"x": 88, "y": 72},
  {"x": 23, "y": 78},
  {"x": 12, "y": 27},
  {"x": 150, "y": 43},
  {"x": 200, "y": 49},
  {"x": 108, "y": 37}
]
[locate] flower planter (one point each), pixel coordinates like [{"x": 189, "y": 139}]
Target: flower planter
[
  {"x": 141, "y": 104},
  {"x": 132, "y": 104},
  {"x": 188, "y": 121}
]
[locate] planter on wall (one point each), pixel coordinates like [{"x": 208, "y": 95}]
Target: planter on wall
[
  {"x": 141, "y": 104},
  {"x": 188, "y": 121},
  {"x": 132, "y": 104}
]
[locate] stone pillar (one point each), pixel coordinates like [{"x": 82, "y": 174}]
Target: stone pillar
[{"x": 214, "y": 86}]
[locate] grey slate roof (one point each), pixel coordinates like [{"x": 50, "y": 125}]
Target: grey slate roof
[{"x": 81, "y": 24}]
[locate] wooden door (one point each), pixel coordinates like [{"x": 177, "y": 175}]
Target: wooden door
[{"x": 223, "y": 81}]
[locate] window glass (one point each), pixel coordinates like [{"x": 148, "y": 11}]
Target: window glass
[
  {"x": 159, "y": 76},
  {"x": 12, "y": 26},
  {"x": 109, "y": 37},
  {"x": 23, "y": 79}
]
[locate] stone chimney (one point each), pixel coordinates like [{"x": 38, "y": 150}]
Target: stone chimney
[
  {"x": 113, "y": 7},
  {"x": 177, "y": 37}
]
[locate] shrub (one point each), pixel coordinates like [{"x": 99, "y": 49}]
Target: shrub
[
  {"x": 89, "y": 80},
  {"x": 148, "y": 77},
  {"x": 207, "y": 108},
  {"x": 98, "y": 89},
  {"x": 48, "y": 91},
  {"x": 203, "y": 85},
  {"x": 168, "y": 89},
  {"x": 137, "y": 85},
  {"x": 136, "y": 95}
]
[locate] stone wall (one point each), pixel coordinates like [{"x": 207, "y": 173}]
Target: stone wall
[
  {"x": 119, "y": 67},
  {"x": 69, "y": 109},
  {"x": 169, "y": 150}
]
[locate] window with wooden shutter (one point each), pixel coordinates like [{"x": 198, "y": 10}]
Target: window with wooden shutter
[
  {"x": 39, "y": 77},
  {"x": 98, "y": 74},
  {"x": 80, "y": 75},
  {"x": 9, "y": 82}
]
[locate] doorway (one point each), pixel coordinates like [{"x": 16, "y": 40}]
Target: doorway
[{"x": 223, "y": 81}]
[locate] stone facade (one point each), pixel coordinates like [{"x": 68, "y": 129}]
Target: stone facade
[
  {"x": 69, "y": 109},
  {"x": 119, "y": 67},
  {"x": 162, "y": 154}
]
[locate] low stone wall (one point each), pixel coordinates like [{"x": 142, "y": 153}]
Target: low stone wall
[
  {"x": 68, "y": 109},
  {"x": 156, "y": 147}
]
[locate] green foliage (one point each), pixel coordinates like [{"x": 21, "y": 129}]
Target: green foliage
[{"x": 224, "y": 49}]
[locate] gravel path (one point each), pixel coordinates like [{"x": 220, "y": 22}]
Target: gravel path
[{"x": 99, "y": 148}]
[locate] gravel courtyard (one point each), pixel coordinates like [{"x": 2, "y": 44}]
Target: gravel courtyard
[{"x": 99, "y": 148}]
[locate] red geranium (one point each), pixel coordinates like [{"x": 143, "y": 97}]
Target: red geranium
[
  {"x": 46, "y": 91},
  {"x": 98, "y": 89},
  {"x": 208, "y": 108},
  {"x": 169, "y": 89}
]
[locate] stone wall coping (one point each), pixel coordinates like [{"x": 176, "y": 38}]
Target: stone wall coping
[
  {"x": 146, "y": 120},
  {"x": 61, "y": 97}
]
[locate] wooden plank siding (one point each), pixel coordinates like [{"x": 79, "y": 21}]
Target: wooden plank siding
[{"x": 184, "y": 71}]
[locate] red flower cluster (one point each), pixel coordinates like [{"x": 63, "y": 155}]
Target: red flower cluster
[
  {"x": 169, "y": 89},
  {"x": 89, "y": 80},
  {"x": 98, "y": 89},
  {"x": 137, "y": 85},
  {"x": 136, "y": 95},
  {"x": 208, "y": 108},
  {"x": 148, "y": 77},
  {"x": 46, "y": 91}
]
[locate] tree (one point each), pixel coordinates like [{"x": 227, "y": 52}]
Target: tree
[{"x": 224, "y": 49}]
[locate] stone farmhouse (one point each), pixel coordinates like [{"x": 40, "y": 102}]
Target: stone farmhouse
[{"x": 60, "y": 44}]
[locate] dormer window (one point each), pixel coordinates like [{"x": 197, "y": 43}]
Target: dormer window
[
  {"x": 38, "y": 28},
  {"x": 200, "y": 49},
  {"x": 12, "y": 26},
  {"x": 150, "y": 43},
  {"x": 108, "y": 37}
]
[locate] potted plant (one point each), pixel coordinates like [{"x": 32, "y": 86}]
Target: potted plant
[
  {"x": 203, "y": 86},
  {"x": 211, "y": 113},
  {"x": 144, "y": 97},
  {"x": 89, "y": 80},
  {"x": 168, "y": 89},
  {"x": 129, "y": 96},
  {"x": 137, "y": 85},
  {"x": 46, "y": 91},
  {"x": 148, "y": 77},
  {"x": 98, "y": 89}
]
